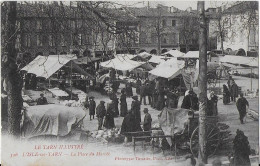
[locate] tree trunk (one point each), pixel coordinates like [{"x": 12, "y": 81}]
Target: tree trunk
[
  {"x": 13, "y": 79},
  {"x": 202, "y": 83},
  {"x": 159, "y": 45},
  {"x": 221, "y": 35}
]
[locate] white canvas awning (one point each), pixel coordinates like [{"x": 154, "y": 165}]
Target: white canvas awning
[
  {"x": 123, "y": 64},
  {"x": 168, "y": 69},
  {"x": 125, "y": 56},
  {"x": 45, "y": 66},
  {"x": 144, "y": 54},
  {"x": 192, "y": 54},
  {"x": 174, "y": 53},
  {"x": 158, "y": 59},
  {"x": 239, "y": 60}
]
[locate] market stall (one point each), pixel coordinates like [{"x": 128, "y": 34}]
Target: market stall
[{"x": 59, "y": 70}]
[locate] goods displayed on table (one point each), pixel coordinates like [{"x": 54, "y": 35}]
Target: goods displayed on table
[{"x": 108, "y": 135}]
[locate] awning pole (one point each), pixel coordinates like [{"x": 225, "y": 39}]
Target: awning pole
[
  {"x": 251, "y": 79},
  {"x": 71, "y": 79}
]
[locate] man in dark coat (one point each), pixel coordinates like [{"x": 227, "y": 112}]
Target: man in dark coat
[
  {"x": 147, "y": 120},
  {"x": 92, "y": 107},
  {"x": 135, "y": 107},
  {"x": 123, "y": 104},
  {"x": 155, "y": 98},
  {"x": 234, "y": 91},
  {"x": 101, "y": 112},
  {"x": 42, "y": 100},
  {"x": 138, "y": 86},
  {"x": 129, "y": 90},
  {"x": 241, "y": 107},
  {"x": 143, "y": 93},
  {"x": 241, "y": 149},
  {"x": 149, "y": 91},
  {"x": 109, "y": 122},
  {"x": 229, "y": 82},
  {"x": 171, "y": 99}
]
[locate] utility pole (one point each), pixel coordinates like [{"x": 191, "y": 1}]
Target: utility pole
[{"x": 202, "y": 83}]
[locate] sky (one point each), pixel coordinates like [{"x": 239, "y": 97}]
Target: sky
[{"x": 183, "y": 5}]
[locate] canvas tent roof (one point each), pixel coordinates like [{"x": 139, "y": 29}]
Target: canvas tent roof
[
  {"x": 121, "y": 63},
  {"x": 125, "y": 56},
  {"x": 46, "y": 66},
  {"x": 168, "y": 69},
  {"x": 157, "y": 59},
  {"x": 85, "y": 60},
  {"x": 192, "y": 54},
  {"x": 174, "y": 53},
  {"x": 240, "y": 60},
  {"x": 144, "y": 54}
]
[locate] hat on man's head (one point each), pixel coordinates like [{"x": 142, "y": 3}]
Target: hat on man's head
[
  {"x": 42, "y": 94},
  {"x": 135, "y": 97},
  {"x": 146, "y": 110},
  {"x": 102, "y": 102},
  {"x": 91, "y": 97}
]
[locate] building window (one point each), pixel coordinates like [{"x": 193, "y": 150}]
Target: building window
[
  {"x": 27, "y": 40},
  {"x": 39, "y": 24},
  {"x": 18, "y": 42},
  {"x": 62, "y": 40},
  {"x": 173, "y": 23},
  {"x": 165, "y": 41},
  {"x": 72, "y": 24},
  {"x": 80, "y": 39},
  {"x": 164, "y": 23},
  {"x": 51, "y": 40},
  {"x": 39, "y": 40},
  {"x": 79, "y": 24},
  {"x": 241, "y": 39},
  {"x": 87, "y": 41},
  {"x": 74, "y": 39}
]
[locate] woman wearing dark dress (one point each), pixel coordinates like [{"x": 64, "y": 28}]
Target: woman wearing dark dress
[
  {"x": 109, "y": 118},
  {"x": 123, "y": 104},
  {"x": 226, "y": 95}
]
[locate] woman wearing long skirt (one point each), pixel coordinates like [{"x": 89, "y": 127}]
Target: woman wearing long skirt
[
  {"x": 123, "y": 104},
  {"x": 226, "y": 95},
  {"x": 109, "y": 118}
]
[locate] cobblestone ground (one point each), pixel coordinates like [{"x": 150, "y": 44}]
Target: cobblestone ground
[{"x": 227, "y": 113}]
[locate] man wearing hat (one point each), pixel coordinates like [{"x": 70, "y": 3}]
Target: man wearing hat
[
  {"x": 42, "y": 100},
  {"x": 92, "y": 107},
  {"x": 101, "y": 112},
  {"x": 242, "y": 105},
  {"x": 135, "y": 107},
  {"x": 147, "y": 120}
]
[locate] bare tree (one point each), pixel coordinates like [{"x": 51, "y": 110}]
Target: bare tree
[
  {"x": 232, "y": 21},
  {"x": 10, "y": 71},
  {"x": 189, "y": 27}
]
